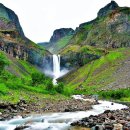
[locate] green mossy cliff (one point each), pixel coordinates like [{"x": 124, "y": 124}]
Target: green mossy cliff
[{"x": 107, "y": 39}]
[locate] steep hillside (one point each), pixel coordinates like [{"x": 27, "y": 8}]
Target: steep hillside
[
  {"x": 59, "y": 40},
  {"x": 20, "y": 80},
  {"x": 107, "y": 39},
  {"x": 13, "y": 40},
  {"x": 20, "y": 58},
  {"x": 109, "y": 30},
  {"x": 109, "y": 72}
]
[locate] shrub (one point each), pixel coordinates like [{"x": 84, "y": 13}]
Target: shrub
[
  {"x": 49, "y": 86},
  {"x": 3, "y": 89},
  {"x": 60, "y": 88},
  {"x": 38, "y": 78}
]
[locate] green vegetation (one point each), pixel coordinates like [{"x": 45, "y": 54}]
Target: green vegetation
[
  {"x": 60, "y": 44},
  {"x": 96, "y": 75},
  {"x": 3, "y": 61},
  {"x": 120, "y": 94},
  {"x": 63, "y": 42},
  {"x": 21, "y": 80},
  {"x": 60, "y": 87},
  {"x": 39, "y": 78}
]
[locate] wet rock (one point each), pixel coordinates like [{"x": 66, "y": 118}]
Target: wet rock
[
  {"x": 110, "y": 120},
  {"x": 21, "y": 127}
]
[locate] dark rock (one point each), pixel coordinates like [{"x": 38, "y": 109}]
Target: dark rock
[
  {"x": 21, "y": 127},
  {"x": 107, "y": 111},
  {"x": 59, "y": 33},
  {"x": 109, "y": 120},
  {"x": 107, "y": 9}
]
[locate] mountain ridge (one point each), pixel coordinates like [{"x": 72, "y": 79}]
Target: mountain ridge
[{"x": 107, "y": 38}]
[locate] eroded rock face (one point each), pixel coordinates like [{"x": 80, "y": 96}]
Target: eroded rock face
[
  {"x": 59, "y": 33},
  {"x": 72, "y": 59},
  {"x": 15, "y": 50},
  {"x": 22, "y": 52}
]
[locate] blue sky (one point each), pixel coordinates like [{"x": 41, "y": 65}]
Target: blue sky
[{"x": 39, "y": 18}]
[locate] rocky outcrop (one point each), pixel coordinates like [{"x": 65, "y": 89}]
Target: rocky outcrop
[
  {"x": 107, "y": 9},
  {"x": 15, "y": 50},
  {"x": 73, "y": 59},
  {"x": 60, "y": 33},
  {"x": 59, "y": 39},
  {"x": 9, "y": 20},
  {"x": 110, "y": 29}
]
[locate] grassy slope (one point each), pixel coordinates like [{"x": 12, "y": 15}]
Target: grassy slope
[
  {"x": 63, "y": 42},
  {"x": 15, "y": 83},
  {"x": 111, "y": 70},
  {"x": 98, "y": 74},
  {"x": 60, "y": 44},
  {"x": 83, "y": 49}
]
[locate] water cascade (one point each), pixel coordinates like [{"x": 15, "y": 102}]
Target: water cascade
[{"x": 56, "y": 68}]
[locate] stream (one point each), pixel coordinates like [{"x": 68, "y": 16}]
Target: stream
[{"x": 58, "y": 121}]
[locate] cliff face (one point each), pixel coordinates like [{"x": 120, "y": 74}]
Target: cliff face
[
  {"x": 13, "y": 40},
  {"x": 60, "y": 33},
  {"x": 9, "y": 20},
  {"x": 58, "y": 40}
]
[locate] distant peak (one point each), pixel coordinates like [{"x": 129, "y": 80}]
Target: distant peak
[
  {"x": 1, "y": 5},
  {"x": 109, "y": 7},
  {"x": 113, "y": 3},
  {"x": 59, "y": 33}
]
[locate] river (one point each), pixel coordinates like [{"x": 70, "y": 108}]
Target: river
[{"x": 57, "y": 121}]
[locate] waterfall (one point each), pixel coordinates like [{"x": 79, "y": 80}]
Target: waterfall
[{"x": 56, "y": 68}]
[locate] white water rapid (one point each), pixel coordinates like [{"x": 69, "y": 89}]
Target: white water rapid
[
  {"x": 56, "y": 68},
  {"x": 58, "y": 121}
]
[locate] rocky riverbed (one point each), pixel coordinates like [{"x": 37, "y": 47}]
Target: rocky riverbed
[
  {"x": 23, "y": 108},
  {"x": 109, "y": 120},
  {"x": 58, "y": 120}
]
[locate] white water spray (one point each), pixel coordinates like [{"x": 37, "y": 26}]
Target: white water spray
[{"x": 56, "y": 68}]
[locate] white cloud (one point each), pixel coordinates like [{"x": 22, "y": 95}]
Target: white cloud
[{"x": 39, "y": 18}]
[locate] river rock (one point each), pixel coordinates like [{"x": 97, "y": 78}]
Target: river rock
[
  {"x": 118, "y": 126},
  {"x": 21, "y": 127},
  {"x": 110, "y": 120}
]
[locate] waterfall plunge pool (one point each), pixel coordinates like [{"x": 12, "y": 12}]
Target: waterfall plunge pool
[{"x": 58, "y": 121}]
